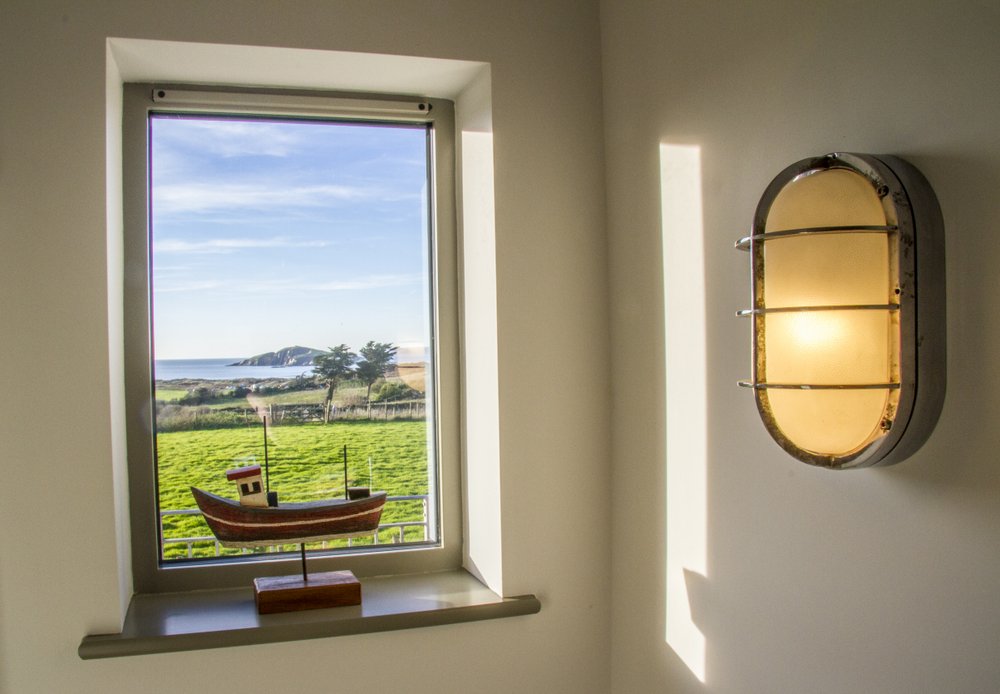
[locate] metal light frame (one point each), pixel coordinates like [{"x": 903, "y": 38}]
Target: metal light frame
[{"x": 914, "y": 230}]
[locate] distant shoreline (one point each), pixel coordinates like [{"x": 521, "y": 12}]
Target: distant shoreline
[{"x": 221, "y": 371}]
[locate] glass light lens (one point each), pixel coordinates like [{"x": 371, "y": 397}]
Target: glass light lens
[
  {"x": 826, "y": 270},
  {"x": 829, "y": 422},
  {"x": 828, "y": 347}
]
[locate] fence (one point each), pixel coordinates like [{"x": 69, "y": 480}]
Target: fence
[
  {"x": 193, "y": 417},
  {"x": 399, "y": 527},
  {"x": 399, "y": 409}
]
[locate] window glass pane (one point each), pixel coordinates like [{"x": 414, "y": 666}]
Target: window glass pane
[{"x": 291, "y": 282}]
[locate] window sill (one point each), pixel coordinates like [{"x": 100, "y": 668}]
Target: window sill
[{"x": 198, "y": 620}]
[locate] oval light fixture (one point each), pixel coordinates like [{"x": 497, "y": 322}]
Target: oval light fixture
[{"x": 848, "y": 352}]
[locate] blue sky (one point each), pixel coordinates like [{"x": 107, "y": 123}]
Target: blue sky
[{"x": 268, "y": 234}]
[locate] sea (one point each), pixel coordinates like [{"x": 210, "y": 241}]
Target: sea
[{"x": 219, "y": 370}]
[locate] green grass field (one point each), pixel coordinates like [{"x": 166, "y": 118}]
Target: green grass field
[
  {"x": 170, "y": 394},
  {"x": 297, "y": 397},
  {"x": 306, "y": 463},
  {"x": 222, "y": 403}
]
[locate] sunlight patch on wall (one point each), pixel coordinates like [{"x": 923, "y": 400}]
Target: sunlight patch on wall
[{"x": 686, "y": 412}]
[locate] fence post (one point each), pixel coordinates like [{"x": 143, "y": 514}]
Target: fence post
[{"x": 424, "y": 504}]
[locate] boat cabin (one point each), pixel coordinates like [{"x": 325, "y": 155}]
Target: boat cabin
[{"x": 250, "y": 485}]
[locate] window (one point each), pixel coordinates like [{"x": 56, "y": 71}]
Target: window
[{"x": 290, "y": 304}]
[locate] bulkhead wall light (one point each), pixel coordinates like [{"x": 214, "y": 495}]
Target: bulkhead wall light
[{"x": 848, "y": 310}]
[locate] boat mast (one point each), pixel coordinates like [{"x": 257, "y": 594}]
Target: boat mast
[
  {"x": 267, "y": 470},
  {"x": 346, "y": 495}
]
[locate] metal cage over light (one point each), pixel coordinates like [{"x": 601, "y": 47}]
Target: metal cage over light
[{"x": 848, "y": 351}]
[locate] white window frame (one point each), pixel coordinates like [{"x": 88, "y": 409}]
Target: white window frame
[{"x": 150, "y": 575}]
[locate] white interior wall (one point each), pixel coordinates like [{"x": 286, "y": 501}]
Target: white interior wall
[
  {"x": 58, "y": 577},
  {"x": 880, "y": 580}
]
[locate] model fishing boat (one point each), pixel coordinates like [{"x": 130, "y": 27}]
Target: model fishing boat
[
  {"x": 241, "y": 525},
  {"x": 258, "y": 520}
]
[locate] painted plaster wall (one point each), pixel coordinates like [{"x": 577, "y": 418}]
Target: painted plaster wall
[
  {"x": 57, "y": 575},
  {"x": 882, "y": 580}
]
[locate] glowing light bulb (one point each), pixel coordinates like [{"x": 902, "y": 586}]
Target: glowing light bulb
[{"x": 813, "y": 330}]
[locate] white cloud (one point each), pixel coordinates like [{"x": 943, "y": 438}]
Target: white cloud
[
  {"x": 202, "y": 286},
  {"x": 259, "y": 286},
  {"x": 369, "y": 282},
  {"x": 194, "y": 197},
  {"x": 355, "y": 283},
  {"x": 230, "y": 245},
  {"x": 232, "y": 138}
]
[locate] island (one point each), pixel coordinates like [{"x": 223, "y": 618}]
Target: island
[{"x": 289, "y": 356}]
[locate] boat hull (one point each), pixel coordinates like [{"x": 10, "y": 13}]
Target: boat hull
[{"x": 247, "y": 526}]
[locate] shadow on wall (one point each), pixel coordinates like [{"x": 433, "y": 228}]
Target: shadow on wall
[{"x": 952, "y": 458}]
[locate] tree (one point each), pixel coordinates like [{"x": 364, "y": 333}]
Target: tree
[
  {"x": 332, "y": 367},
  {"x": 376, "y": 357},
  {"x": 391, "y": 391}
]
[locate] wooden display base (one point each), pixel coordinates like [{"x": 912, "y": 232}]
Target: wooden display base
[{"x": 292, "y": 593}]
